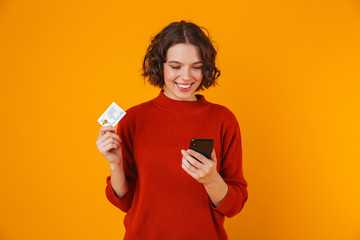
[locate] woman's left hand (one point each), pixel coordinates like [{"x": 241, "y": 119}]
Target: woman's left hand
[{"x": 204, "y": 171}]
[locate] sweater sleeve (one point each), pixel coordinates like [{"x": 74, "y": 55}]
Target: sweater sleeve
[
  {"x": 231, "y": 170},
  {"x": 125, "y": 130}
]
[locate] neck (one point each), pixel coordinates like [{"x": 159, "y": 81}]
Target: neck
[{"x": 176, "y": 106}]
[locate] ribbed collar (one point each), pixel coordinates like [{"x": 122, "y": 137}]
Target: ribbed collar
[{"x": 177, "y": 106}]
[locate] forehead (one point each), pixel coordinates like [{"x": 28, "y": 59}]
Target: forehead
[{"x": 183, "y": 52}]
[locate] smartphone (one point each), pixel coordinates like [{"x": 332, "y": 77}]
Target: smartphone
[{"x": 203, "y": 146}]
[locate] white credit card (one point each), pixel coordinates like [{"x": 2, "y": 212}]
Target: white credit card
[{"x": 112, "y": 115}]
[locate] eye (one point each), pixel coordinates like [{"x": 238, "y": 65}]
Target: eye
[
  {"x": 175, "y": 67},
  {"x": 197, "y": 67}
]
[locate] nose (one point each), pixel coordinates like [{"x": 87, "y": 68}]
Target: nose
[{"x": 185, "y": 75}]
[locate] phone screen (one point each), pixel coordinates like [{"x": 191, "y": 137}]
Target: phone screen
[{"x": 203, "y": 146}]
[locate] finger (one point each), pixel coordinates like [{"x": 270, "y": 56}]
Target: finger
[
  {"x": 104, "y": 129},
  {"x": 106, "y": 139},
  {"x": 112, "y": 140},
  {"x": 201, "y": 169},
  {"x": 191, "y": 160},
  {"x": 198, "y": 155},
  {"x": 109, "y": 135},
  {"x": 187, "y": 161},
  {"x": 186, "y": 169},
  {"x": 109, "y": 142},
  {"x": 113, "y": 135},
  {"x": 188, "y": 165},
  {"x": 109, "y": 147}
]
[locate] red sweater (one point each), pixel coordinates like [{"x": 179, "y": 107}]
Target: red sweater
[{"x": 163, "y": 201}]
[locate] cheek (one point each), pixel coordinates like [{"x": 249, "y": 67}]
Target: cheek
[
  {"x": 198, "y": 76},
  {"x": 169, "y": 75}
]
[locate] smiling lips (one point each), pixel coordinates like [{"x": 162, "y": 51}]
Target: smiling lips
[{"x": 183, "y": 87}]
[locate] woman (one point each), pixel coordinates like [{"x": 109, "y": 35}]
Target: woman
[{"x": 155, "y": 178}]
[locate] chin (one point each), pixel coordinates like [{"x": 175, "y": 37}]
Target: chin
[
  {"x": 185, "y": 96},
  {"x": 178, "y": 95}
]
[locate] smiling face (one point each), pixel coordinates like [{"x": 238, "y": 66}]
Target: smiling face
[{"x": 182, "y": 72}]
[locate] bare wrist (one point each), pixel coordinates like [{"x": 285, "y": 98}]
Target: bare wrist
[
  {"x": 114, "y": 167},
  {"x": 214, "y": 181}
]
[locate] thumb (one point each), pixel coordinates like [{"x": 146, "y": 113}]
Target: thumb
[{"x": 213, "y": 155}]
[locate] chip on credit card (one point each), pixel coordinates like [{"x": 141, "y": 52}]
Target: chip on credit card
[{"x": 112, "y": 115}]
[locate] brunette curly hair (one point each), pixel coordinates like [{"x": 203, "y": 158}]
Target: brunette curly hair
[{"x": 180, "y": 32}]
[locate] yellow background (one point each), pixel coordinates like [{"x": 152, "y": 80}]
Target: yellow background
[{"x": 290, "y": 73}]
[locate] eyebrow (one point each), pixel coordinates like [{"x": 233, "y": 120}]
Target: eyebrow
[{"x": 173, "y": 61}]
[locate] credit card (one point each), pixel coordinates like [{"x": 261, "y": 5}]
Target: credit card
[{"x": 112, "y": 115}]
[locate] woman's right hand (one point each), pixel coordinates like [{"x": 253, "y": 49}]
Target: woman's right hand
[{"x": 108, "y": 144}]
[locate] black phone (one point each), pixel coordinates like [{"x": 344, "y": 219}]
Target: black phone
[{"x": 203, "y": 146}]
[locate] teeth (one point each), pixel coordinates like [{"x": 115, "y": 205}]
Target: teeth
[{"x": 184, "y": 86}]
